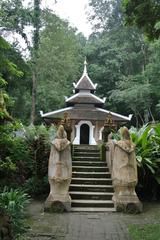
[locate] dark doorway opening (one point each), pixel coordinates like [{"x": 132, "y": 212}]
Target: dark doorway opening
[{"x": 84, "y": 134}]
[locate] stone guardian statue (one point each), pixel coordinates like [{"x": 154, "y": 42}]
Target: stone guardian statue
[
  {"x": 59, "y": 173},
  {"x": 110, "y": 151},
  {"x": 124, "y": 175}
]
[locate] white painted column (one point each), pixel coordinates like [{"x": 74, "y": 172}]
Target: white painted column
[
  {"x": 77, "y": 138},
  {"x": 91, "y": 138},
  {"x": 100, "y": 133}
]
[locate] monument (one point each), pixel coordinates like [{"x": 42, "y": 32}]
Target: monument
[
  {"x": 59, "y": 173},
  {"x": 124, "y": 174}
]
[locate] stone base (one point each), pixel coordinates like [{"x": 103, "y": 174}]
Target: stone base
[
  {"x": 127, "y": 204},
  {"x": 61, "y": 203},
  {"x": 57, "y": 206}
]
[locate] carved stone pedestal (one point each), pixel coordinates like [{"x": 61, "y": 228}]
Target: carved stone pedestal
[
  {"x": 125, "y": 200},
  {"x": 59, "y": 199}
]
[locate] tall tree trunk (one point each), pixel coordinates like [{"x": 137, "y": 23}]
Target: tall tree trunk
[
  {"x": 33, "y": 109},
  {"x": 36, "y": 25},
  {"x": 144, "y": 63},
  {"x": 140, "y": 116},
  {"x": 136, "y": 116},
  {"x": 153, "y": 120}
]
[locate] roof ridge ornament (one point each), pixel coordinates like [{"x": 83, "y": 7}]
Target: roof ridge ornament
[
  {"x": 85, "y": 83},
  {"x": 85, "y": 67}
]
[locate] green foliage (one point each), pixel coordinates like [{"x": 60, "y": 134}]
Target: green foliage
[
  {"x": 7, "y": 166},
  {"x": 14, "y": 155},
  {"x": 37, "y": 187},
  {"x": 145, "y": 232},
  {"x": 105, "y": 14},
  {"x": 145, "y": 14},
  {"x": 8, "y": 70},
  {"x": 38, "y": 139},
  {"x": 102, "y": 152},
  {"x": 36, "y": 24},
  {"x": 147, "y": 141},
  {"x": 59, "y": 57},
  {"x": 32, "y": 133},
  {"x": 54, "y": 65},
  {"x": 18, "y": 85},
  {"x": 125, "y": 66},
  {"x": 14, "y": 17},
  {"x": 24, "y": 154},
  {"x": 5, "y": 63},
  {"x": 153, "y": 74},
  {"x": 135, "y": 92},
  {"x": 147, "y": 146},
  {"x": 117, "y": 62},
  {"x": 14, "y": 201}
]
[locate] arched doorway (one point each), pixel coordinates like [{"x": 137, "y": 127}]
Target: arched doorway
[
  {"x": 90, "y": 134},
  {"x": 84, "y": 134}
]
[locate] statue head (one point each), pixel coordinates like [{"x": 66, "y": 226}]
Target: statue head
[
  {"x": 61, "y": 132},
  {"x": 125, "y": 133}
]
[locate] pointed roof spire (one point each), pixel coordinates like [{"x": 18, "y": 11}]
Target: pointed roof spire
[
  {"x": 85, "y": 83},
  {"x": 85, "y": 67}
]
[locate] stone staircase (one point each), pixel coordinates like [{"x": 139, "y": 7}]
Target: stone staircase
[{"x": 91, "y": 186}]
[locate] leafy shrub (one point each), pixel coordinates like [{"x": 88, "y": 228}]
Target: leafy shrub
[
  {"x": 7, "y": 166},
  {"x": 14, "y": 201},
  {"x": 102, "y": 148},
  {"x": 14, "y": 156},
  {"x": 147, "y": 141},
  {"x": 24, "y": 154},
  {"x": 36, "y": 187},
  {"x": 38, "y": 139}
]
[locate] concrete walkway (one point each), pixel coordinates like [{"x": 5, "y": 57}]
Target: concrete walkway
[{"x": 86, "y": 226}]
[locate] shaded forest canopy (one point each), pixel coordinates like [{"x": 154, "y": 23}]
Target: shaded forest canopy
[{"x": 121, "y": 59}]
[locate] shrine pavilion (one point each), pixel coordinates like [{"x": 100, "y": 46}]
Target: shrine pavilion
[{"x": 84, "y": 113}]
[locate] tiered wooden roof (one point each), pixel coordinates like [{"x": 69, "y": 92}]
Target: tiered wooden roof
[{"x": 84, "y": 104}]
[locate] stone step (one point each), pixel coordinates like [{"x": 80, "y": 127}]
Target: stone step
[
  {"x": 85, "y": 158},
  {"x": 91, "y": 174},
  {"x": 92, "y": 203},
  {"x": 86, "y": 146},
  {"x": 89, "y": 163},
  {"x": 88, "y": 154},
  {"x": 105, "y": 181},
  {"x": 89, "y": 169},
  {"x": 85, "y": 149},
  {"x": 92, "y": 209},
  {"x": 91, "y": 188},
  {"x": 91, "y": 195}
]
